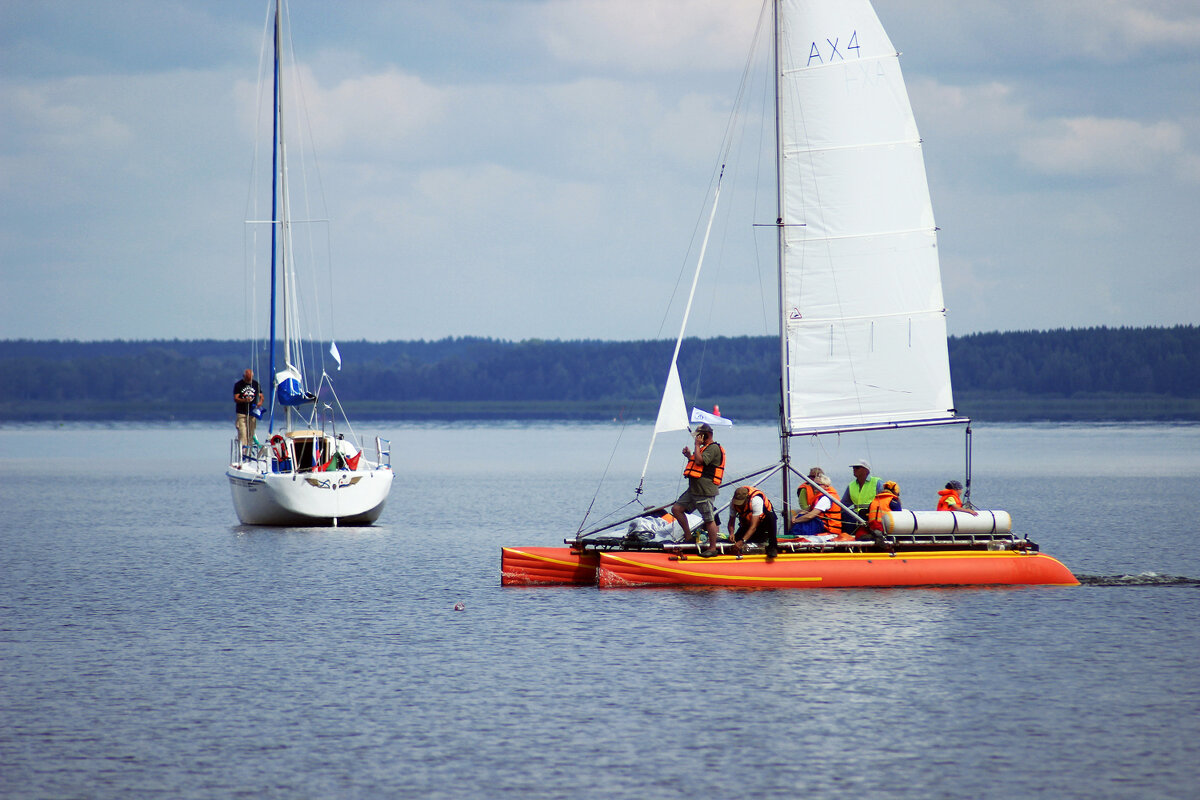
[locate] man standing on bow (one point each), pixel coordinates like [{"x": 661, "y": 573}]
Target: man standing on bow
[
  {"x": 704, "y": 470},
  {"x": 247, "y": 398}
]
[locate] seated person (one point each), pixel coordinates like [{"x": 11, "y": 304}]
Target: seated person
[
  {"x": 950, "y": 499},
  {"x": 888, "y": 499},
  {"x": 821, "y": 522},
  {"x": 756, "y": 518},
  {"x": 806, "y": 492}
]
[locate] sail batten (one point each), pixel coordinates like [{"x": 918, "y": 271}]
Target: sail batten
[
  {"x": 837, "y": 63},
  {"x": 795, "y": 151},
  {"x": 863, "y": 314}
]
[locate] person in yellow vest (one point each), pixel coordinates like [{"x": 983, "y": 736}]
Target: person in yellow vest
[
  {"x": 704, "y": 470},
  {"x": 950, "y": 499},
  {"x": 757, "y": 523},
  {"x": 859, "y": 493}
]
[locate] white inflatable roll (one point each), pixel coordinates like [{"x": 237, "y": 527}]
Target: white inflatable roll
[{"x": 947, "y": 522}]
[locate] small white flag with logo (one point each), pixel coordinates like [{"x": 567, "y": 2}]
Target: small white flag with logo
[{"x": 711, "y": 419}]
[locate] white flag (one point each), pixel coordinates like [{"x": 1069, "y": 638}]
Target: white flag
[
  {"x": 711, "y": 419},
  {"x": 333, "y": 351}
]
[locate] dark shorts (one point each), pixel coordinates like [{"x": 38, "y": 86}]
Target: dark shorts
[{"x": 766, "y": 529}]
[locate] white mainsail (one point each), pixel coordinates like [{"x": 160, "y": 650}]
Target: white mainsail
[{"x": 861, "y": 297}]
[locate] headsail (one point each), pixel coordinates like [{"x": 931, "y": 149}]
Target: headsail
[
  {"x": 861, "y": 295},
  {"x": 672, "y": 411}
]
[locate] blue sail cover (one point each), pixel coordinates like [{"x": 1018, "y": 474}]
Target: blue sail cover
[{"x": 289, "y": 391}]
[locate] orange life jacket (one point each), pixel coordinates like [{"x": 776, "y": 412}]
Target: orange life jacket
[
  {"x": 810, "y": 495},
  {"x": 880, "y": 511},
  {"x": 944, "y": 497},
  {"x": 696, "y": 468},
  {"x": 744, "y": 513},
  {"x": 832, "y": 518}
]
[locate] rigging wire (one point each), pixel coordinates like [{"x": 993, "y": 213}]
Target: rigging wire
[{"x": 611, "y": 455}]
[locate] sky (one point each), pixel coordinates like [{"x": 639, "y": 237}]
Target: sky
[{"x": 525, "y": 169}]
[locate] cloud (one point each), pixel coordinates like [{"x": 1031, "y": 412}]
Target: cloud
[
  {"x": 1092, "y": 147},
  {"x": 998, "y": 120},
  {"x": 1031, "y": 34},
  {"x": 634, "y": 36}
]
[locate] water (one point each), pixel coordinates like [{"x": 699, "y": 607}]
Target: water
[{"x": 152, "y": 647}]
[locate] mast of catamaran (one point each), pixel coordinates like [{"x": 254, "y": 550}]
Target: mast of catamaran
[{"x": 780, "y": 222}]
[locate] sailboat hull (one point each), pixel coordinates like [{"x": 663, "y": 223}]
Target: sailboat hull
[
  {"x": 340, "y": 497},
  {"x": 833, "y": 570},
  {"x": 547, "y": 566}
]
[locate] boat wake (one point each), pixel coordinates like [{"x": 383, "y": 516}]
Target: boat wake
[{"x": 1141, "y": 579}]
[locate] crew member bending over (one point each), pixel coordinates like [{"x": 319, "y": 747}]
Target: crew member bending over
[{"x": 756, "y": 518}]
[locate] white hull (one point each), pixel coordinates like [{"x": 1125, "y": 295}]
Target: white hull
[{"x": 341, "y": 497}]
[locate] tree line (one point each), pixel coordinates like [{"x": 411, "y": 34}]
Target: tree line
[{"x": 468, "y": 376}]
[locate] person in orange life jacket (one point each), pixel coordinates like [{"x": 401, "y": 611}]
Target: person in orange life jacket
[
  {"x": 821, "y": 516},
  {"x": 806, "y": 493},
  {"x": 887, "y": 500},
  {"x": 950, "y": 499},
  {"x": 704, "y": 470},
  {"x": 756, "y": 518}
]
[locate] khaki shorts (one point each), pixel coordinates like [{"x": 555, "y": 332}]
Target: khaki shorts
[{"x": 699, "y": 503}]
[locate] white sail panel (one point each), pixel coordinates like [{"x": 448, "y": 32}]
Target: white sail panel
[
  {"x": 864, "y": 318},
  {"x": 672, "y": 411}
]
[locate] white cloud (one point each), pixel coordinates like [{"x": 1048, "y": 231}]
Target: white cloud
[
  {"x": 1090, "y": 146},
  {"x": 649, "y": 35}
]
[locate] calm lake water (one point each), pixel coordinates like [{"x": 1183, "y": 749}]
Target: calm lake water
[{"x": 152, "y": 647}]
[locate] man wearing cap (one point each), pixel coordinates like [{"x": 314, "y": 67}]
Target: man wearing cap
[
  {"x": 704, "y": 470},
  {"x": 862, "y": 489},
  {"x": 756, "y": 518}
]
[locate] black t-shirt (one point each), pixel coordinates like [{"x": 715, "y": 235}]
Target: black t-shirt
[{"x": 247, "y": 392}]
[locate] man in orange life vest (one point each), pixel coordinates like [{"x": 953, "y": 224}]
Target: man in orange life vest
[
  {"x": 756, "y": 518},
  {"x": 704, "y": 470}
]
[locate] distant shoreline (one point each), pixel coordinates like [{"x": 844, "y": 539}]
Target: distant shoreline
[
  {"x": 1091, "y": 375},
  {"x": 979, "y": 406}
]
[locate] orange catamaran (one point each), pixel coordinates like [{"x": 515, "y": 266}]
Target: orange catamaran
[{"x": 862, "y": 334}]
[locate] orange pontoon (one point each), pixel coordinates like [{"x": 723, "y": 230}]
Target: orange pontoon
[{"x": 832, "y": 570}]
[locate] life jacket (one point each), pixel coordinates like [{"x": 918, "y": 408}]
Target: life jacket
[
  {"x": 744, "y": 513},
  {"x": 861, "y": 496},
  {"x": 696, "y": 468},
  {"x": 880, "y": 511},
  {"x": 809, "y": 495},
  {"x": 832, "y": 517},
  {"x": 944, "y": 496}
]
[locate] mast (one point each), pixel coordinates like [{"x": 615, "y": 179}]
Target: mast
[
  {"x": 784, "y": 382},
  {"x": 274, "y": 209},
  {"x": 283, "y": 220}
]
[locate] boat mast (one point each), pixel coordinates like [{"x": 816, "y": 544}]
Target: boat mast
[
  {"x": 780, "y": 228},
  {"x": 283, "y": 220},
  {"x": 274, "y": 208}
]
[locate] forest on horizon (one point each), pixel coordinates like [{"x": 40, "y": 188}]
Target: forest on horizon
[{"x": 1071, "y": 374}]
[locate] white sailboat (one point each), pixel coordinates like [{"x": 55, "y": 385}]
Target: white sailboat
[
  {"x": 310, "y": 471},
  {"x": 862, "y": 331}
]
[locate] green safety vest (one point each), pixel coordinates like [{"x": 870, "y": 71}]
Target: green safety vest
[{"x": 861, "y": 496}]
